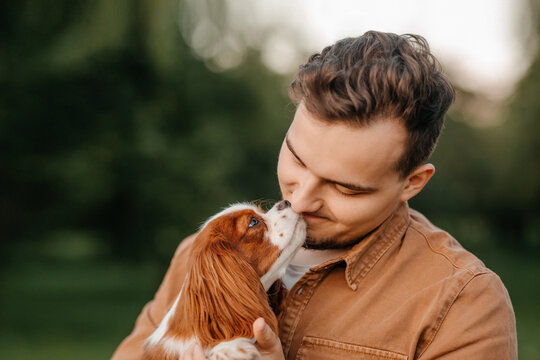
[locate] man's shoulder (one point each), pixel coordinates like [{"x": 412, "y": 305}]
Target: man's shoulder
[
  {"x": 439, "y": 244},
  {"x": 451, "y": 262}
]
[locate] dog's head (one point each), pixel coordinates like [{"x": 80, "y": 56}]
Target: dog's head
[{"x": 266, "y": 241}]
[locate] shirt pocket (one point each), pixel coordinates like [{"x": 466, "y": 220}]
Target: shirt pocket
[{"x": 313, "y": 348}]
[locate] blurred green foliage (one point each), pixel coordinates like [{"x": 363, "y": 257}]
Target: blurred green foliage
[
  {"x": 127, "y": 139},
  {"x": 116, "y": 141}
]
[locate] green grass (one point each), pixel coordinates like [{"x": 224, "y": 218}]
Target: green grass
[{"x": 70, "y": 309}]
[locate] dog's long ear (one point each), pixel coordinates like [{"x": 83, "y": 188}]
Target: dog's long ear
[
  {"x": 276, "y": 297},
  {"x": 222, "y": 296}
]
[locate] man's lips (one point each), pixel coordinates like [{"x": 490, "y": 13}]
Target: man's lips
[{"x": 310, "y": 216}]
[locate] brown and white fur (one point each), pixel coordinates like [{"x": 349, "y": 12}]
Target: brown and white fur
[{"x": 236, "y": 257}]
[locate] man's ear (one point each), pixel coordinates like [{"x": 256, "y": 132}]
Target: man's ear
[{"x": 416, "y": 181}]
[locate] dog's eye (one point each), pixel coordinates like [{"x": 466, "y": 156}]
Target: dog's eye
[{"x": 253, "y": 222}]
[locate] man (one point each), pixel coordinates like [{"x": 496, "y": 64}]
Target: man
[{"x": 375, "y": 279}]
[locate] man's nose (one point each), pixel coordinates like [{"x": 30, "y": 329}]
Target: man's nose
[{"x": 306, "y": 197}]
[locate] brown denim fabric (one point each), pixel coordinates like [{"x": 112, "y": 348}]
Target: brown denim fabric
[{"x": 406, "y": 291}]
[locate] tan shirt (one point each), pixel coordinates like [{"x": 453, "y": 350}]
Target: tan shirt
[{"x": 407, "y": 291}]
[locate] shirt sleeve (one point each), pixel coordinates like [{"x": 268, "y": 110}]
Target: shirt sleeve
[
  {"x": 480, "y": 324},
  {"x": 154, "y": 311}
]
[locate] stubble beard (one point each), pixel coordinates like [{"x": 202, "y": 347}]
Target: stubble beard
[{"x": 328, "y": 243}]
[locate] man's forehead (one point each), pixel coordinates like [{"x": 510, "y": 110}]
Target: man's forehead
[{"x": 357, "y": 152}]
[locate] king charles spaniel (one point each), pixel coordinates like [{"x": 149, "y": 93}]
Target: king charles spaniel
[{"x": 236, "y": 257}]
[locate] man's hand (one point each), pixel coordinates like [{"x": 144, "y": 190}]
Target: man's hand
[
  {"x": 267, "y": 341},
  {"x": 194, "y": 352},
  {"x": 268, "y": 344}
]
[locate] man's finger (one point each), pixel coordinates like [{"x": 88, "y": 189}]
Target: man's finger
[
  {"x": 194, "y": 352},
  {"x": 188, "y": 355},
  {"x": 198, "y": 353},
  {"x": 266, "y": 339}
]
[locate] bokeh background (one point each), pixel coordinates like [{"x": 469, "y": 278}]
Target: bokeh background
[{"x": 125, "y": 124}]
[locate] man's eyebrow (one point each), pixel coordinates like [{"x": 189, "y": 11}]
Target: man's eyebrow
[
  {"x": 291, "y": 149},
  {"x": 353, "y": 187}
]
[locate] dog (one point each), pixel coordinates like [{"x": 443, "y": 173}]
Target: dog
[{"x": 236, "y": 257}]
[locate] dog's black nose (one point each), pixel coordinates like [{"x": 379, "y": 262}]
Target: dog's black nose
[{"x": 283, "y": 205}]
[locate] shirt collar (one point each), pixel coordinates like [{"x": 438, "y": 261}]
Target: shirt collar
[{"x": 364, "y": 255}]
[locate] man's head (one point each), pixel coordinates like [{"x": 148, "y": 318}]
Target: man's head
[
  {"x": 379, "y": 76},
  {"x": 370, "y": 111}
]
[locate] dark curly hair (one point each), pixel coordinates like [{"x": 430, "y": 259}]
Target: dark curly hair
[{"x": 379, "y": 76}]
